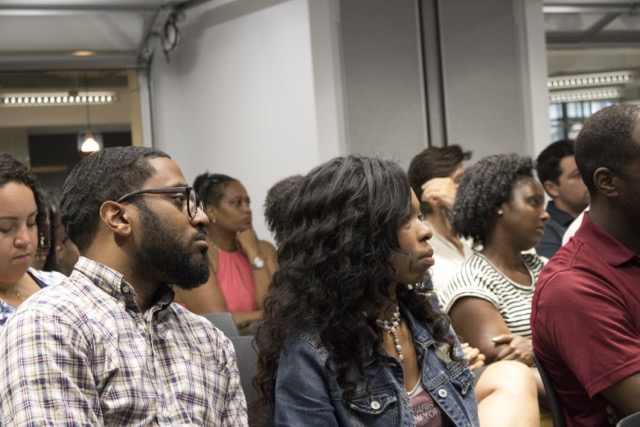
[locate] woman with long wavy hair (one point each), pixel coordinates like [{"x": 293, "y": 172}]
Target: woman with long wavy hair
[{"x": 346, "y": 340}]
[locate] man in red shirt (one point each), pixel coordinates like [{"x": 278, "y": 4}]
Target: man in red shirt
[{"x": 586, "y": 308}]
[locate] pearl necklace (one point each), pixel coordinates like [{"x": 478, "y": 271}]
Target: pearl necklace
[{"x": 391, "y": 326}]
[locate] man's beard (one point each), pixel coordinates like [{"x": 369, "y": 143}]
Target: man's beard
[{"x": 163, "y": 256}]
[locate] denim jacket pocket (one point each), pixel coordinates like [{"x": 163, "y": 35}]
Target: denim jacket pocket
[
  {"x": 463, "y": 381},
  {"x": 372, "y": 404},
  {"x": 373, "y": 408}
]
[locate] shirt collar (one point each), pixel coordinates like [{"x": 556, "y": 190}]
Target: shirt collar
[
  {"x": 113, "y": 283},
  {"x": 561, "y": 217},
  {"x": 608, "y": 249}
]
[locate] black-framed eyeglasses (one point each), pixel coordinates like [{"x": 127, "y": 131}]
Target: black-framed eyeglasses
[{"x": 193, "y": 201}]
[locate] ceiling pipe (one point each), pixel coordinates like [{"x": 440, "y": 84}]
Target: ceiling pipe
[
  {"x": 153, "y": 30},
  {"x": 86, "y": 6}
]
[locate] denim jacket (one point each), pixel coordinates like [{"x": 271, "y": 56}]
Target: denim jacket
[{"x": 307, "y": 395}]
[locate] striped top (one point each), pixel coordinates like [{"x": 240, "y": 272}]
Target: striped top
[{"x": 480, "y": 279}]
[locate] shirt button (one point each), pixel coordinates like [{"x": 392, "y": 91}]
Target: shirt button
[
  {"x": 375, "y": 405},
  {"x": 442, "y": 393},
  {"x": 125, "y": 289}
]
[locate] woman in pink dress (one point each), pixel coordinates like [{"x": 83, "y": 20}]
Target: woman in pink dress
[{"x": 241, "y": 264}]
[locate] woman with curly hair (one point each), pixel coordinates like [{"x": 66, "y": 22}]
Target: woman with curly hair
[
  {"x": 345, "y": 338},
  {"x": 22, "y": 234},
  {"x": 500, "y": 205}
]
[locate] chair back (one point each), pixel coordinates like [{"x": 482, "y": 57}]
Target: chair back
[
  {"x": 247, "y": 358},
  {"x": 632, "y": 420},
  {"x": 557, "y": 412},
  {"x": 223, "y": 321}
]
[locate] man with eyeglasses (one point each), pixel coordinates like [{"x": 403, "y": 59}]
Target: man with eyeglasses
[{"x": 107, "y": 346}]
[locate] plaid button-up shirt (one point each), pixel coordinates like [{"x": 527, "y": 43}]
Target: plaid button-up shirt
[{"x": 83, "y": 354}]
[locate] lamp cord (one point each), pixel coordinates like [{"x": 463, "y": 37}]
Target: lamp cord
[{"x": 86, "y": 94}]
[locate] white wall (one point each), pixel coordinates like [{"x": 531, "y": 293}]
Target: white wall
[
  {"x": 263, "y": 89},
  {"x": 242, "y": 95}
]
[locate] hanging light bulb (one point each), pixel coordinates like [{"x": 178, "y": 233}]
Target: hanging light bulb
[{"x": 90, "y": 145}]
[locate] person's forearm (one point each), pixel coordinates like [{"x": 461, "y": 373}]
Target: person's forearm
[{"x": 246, "y": 316}]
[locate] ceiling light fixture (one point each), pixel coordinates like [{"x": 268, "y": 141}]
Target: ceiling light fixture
[
  {"x": 590, "y": 80},
  {"x": 43, "y": 99},
  {"x": 586, "y": 95},
  {"x": 83, "y": 53}
]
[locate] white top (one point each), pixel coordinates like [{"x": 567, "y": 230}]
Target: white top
[
  {"x": 573, "y": 227},
  {"x": 447, "y": 258}
]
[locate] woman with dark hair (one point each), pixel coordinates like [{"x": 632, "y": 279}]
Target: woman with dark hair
[
  {"x": 22, "y": 234},
  {"x": 277, "y": 204},
  {"x": 500, "y": 206},
  {"x": 506, "y": 391},
  {"x": 44, "y": 259},
  {"x": 345, "y": 339},
  {"x": 434, "y": 175},
  {"x": 243, "y": 264},
  {"x": 44, "y": 267}
]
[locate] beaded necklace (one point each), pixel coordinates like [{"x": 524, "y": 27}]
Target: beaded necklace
[{"x": 391, "y": 326}]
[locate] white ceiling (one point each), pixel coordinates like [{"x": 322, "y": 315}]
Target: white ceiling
[
  {"x": 44, "y": 34},
  {"x": 591, "y": 36},
  {"x": 582, "y": 35},
  {"x": 57, "y": 34},
  {"x": 592, "y": 23}
]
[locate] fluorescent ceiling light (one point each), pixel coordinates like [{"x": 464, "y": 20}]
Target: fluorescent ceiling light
[
  {"x": 586, "y": 94},
  {"x": 56, "y": 98},
  {"x": 590, "y": 80},
  {"x": 83, "y": 53}
]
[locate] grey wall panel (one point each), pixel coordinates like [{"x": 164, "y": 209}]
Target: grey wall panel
[
  {"x": 483, "y": 85},
  {"x": 384, "y": 100}
]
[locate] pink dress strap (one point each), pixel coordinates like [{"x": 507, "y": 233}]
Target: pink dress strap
[{"x": 235, "y": 278}]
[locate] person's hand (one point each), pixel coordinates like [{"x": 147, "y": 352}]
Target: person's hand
[
  {"x": 473, "y": 355},
  {"x": 518, "y": 348},
  {"x": 248, "y": 242},
  {"x": 612, "y": 414},
  {"x": 439, "y": 192}
]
